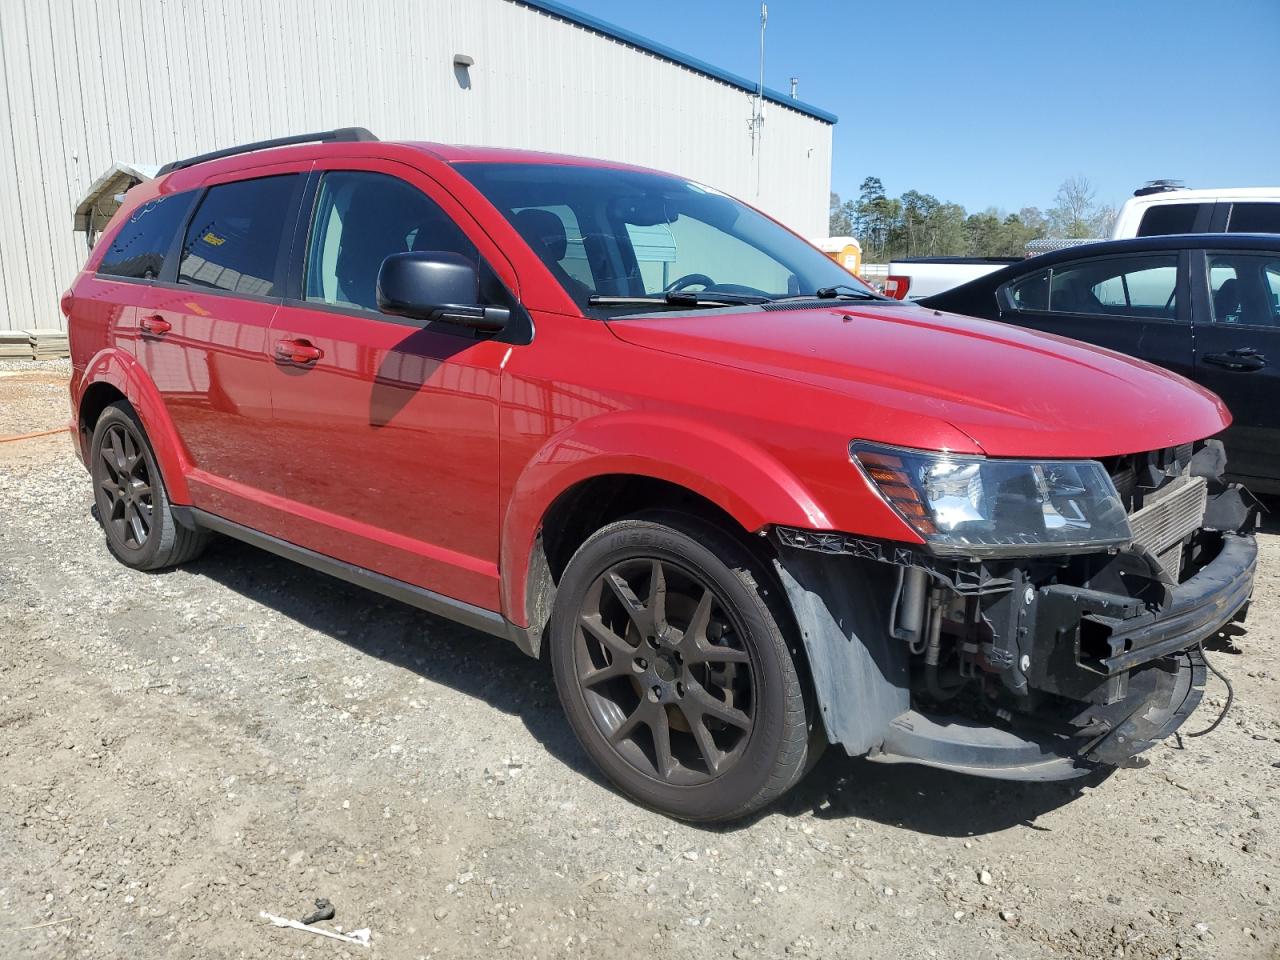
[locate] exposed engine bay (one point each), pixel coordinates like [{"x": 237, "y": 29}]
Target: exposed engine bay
[{"x": 1039, "y": 667}]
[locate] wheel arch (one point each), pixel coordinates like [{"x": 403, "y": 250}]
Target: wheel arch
[
  {"x": 614, "y": 466},
  {"x": 114, "y": 375}
]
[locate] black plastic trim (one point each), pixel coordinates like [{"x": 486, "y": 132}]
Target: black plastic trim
[{"x": 478, "y": 618}]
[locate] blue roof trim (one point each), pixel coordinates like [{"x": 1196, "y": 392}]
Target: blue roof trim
[{"x": 661, "y": 50}]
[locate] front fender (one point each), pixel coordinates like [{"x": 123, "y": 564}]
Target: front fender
[
  {"x": 739, "y": 477},
  {"x": 117, "y": 368}
]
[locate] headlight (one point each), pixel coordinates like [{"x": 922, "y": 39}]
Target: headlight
[{"x": 972, "y": 506}]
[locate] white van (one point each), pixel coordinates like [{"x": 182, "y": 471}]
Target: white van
[{"x": 1163, "y": 207}]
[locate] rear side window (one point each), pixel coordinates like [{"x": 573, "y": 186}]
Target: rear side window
[
  {"x": 1166, "y": 218},
  {"x": 1141, "y": 287},
  {"x": 1254, "y": 218},
  {"x": 138, "y": 249},
  {"x": 233, "y": 242},
  {"x": 1030, "y": 293}
]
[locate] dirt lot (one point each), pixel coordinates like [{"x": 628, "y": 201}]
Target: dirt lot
[{"x": 180, "y": 751}]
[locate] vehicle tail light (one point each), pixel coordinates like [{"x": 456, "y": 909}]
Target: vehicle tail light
[{"x": 896, "y": 286}]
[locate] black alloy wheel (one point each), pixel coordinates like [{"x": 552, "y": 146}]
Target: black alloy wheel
[
  {"x": 666, "y": 678},
  {"x": 125, "y": 483},
  {"x": 673, "y": 668},
  {"x": 131, "y": 499}
]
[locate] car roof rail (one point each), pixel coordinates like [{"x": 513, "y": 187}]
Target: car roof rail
[
  {"x": 340, "y": 135},
  {"x": 1159, "y": 186}
]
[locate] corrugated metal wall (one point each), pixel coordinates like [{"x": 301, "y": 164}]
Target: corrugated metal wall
[{"x": 86, "y": 83}]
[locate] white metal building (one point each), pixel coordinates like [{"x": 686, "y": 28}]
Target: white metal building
[{"x": 85, "y": 84}]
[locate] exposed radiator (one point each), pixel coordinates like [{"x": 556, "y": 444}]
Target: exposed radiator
[{"x": 1169, "y": 516}]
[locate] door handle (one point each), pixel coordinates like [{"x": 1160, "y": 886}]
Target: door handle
[
  {"x": 155, "y": 325},
  {"x": 1245, "y": 359},
  {"x": 297, "y": 351}
]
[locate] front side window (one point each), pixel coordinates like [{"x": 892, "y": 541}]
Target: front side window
[
  {"x": 1244, "y": 289},
  {"x": 233, "y": 241},
  {"x": 360, "y": 220},
  {"x": 1254, "y": 218},
  {"x": 620, "y": 233},
  {"x": 138, "y": 248}
]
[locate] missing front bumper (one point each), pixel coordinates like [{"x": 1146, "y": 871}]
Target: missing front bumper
[{"x": 1083, "y": 643}]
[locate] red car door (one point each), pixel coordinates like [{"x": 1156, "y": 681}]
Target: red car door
[
  {"x": 202, "y": 337},
  {"x": 388, "y": 429}
]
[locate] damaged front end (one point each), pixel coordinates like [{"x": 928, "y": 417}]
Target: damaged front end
[{"x": 1060, "y": 629}]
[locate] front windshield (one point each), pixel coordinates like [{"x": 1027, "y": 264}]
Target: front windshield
[{"x": 611, "y": 235}]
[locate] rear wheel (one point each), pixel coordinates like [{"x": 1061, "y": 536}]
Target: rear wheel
[
  {"x": 133, "y": 505},
  {"x": 674, "y": 670}
]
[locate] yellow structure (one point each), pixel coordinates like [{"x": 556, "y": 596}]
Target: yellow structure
[{"x": 845, "y": 251}]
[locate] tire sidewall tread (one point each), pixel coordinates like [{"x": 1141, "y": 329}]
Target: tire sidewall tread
[
  {"x": 776, "y": 754},
  {"x": 169, "y": 542}
]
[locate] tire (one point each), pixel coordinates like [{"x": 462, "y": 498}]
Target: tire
[
  {"x": 702, "y": 662},
  {"x": 129, "y": 492}
]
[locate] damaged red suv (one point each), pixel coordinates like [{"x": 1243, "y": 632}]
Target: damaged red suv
[{"x": 745, "y": 506}]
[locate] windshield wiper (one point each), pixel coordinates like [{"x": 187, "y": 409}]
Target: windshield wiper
[
  {"x": 855, "y": 293},
  {"x": 841, "y": 291},
  {"x": 678, "y": 298}
]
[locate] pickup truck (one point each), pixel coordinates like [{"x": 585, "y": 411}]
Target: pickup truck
[
  {"x": 915, "y": 277},
  {"x": 1161, "y": 207},
  {"x": 742, "y": 505}
]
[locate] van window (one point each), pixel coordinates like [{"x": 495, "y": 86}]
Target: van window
[
  {"x": 233, "y": 242},
  {"x": 361, "y": 219},
  {"x": 1163, "y": 219},
  {"x": 139, "y": 247},
  {"x": 1254, "y": 218}
]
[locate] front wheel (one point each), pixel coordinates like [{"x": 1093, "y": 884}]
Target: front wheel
[{"x": 675, "y": 671}]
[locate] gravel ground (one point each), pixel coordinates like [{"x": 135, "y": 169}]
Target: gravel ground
[{"x": 180, "y": 751}]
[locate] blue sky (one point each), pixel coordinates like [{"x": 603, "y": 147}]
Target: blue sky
[{"x": 996, "y": 102}]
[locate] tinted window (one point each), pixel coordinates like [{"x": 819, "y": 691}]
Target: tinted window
[
  {"x": 233, "y": 241},
  {"x": 1127, "y": 286},
  {"x": 1030, "y": 293},
  {"x": 1167, "y": 218},
  {"x": 1254, "y": 218},
  {"x": 363, "y": 218},
  {"x": 1244, "y": 289},
  {"x": 138, "y": 248}
]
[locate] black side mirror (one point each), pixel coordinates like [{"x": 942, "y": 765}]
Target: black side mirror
[{"x": 432, "y": 285}]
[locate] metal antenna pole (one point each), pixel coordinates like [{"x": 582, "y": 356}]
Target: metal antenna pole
[{"x": 758, "y": 121}]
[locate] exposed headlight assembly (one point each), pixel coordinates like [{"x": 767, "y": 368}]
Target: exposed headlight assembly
[{"x": 974, "y": 507}]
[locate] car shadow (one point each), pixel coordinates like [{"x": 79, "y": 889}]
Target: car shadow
[
  {"x": 492, "y": 670},
  {"x": 466, "y": 660},
  {"x": 925, "y": 800}
]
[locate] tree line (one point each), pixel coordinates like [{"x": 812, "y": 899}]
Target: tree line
[{"x": 920, "y": 225}]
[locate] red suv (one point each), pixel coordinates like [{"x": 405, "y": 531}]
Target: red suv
[{"x": 744, "y": 505}]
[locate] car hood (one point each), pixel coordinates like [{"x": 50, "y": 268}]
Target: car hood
[{"x": 1014, "y": 392}]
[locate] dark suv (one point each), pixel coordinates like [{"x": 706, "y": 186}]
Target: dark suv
[{"x": 745, "y": 505}]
